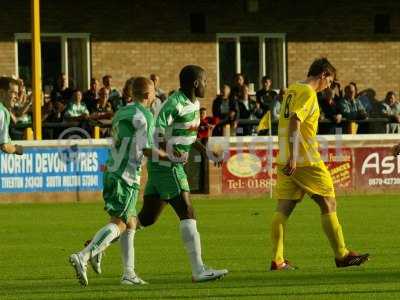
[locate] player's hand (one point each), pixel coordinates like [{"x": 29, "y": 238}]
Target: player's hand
[
  {"x": 396, "y": 150},
  {"x": 178, "y": 157},
  {"x": 290, "y": 167},
  {"x": 19, "y": 150}
]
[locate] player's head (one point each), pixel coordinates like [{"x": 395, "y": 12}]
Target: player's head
[
  {"x": 143, "y": 91},
  {"x": 8, "y": 90},
  {"x": 193, "y": 78},
  {"x": 323, "y": 71}
]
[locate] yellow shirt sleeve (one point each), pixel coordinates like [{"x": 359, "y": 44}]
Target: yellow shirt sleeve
[{"x": 303, "y": 105}]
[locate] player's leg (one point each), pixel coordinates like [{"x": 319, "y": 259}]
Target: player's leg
[
  {"x": 129, "y": 276},
  {"x": 334, "y": 233},
  {"x": 289, "y": 194},
  {"x": 151, "y": 210},
  {"x": 101, "y": 240},
  {"x": 317, "y": 182},
  {"x": 191, "y": 238},
  {"x": 283, "y": 211}
]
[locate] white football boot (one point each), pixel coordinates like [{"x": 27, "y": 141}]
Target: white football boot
[
  {"x": 209, "y": 274},
  {"x": 80, "y": 268},
  {"x": 132, "y": 280},
  {"x": 95, "y": 262}
]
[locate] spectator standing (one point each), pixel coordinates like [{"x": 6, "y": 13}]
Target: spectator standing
[
  {"x": 238, "y": 83},
  {"x": 91, "y": 96},
  {"x": 246, "y": 107},
  {"x": 113, "y": 95},
  {"x": 266, "y": 95}
]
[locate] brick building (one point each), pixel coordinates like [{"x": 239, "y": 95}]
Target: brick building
[{"x": 276, "y": 37}]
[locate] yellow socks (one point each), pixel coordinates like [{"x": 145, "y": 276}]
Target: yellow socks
[
  {"x": 277, "y": 232},
  {"x": 333, "y": 231}
]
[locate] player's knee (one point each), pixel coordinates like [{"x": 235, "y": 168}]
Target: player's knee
[
  {"x": 327, "y": 205},
  {"x": 146, "y": 220}
]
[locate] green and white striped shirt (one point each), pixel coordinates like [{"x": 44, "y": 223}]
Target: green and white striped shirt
[
  {"x": 76, "y": 110},
  {"x": 178, "y": 121},
  {"x": 4, "y": 125},
  {"x": 132, "y": 131}
]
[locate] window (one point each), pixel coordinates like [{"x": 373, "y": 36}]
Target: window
[
  {"x": 254, "y": 55},
  {"x": 67, "y": 53}
]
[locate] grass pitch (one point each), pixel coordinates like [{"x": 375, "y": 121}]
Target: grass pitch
[{"x": 36, "y": 240}]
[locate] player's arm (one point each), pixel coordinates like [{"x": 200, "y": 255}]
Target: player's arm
[
  {"x": 302, "y": 106},
  {"x": 293, "y": 142},
  {"x": 5, "y": 144}
]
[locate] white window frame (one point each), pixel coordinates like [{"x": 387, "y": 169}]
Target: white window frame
[
  {"x": 64, "y": 50},
  {"x": 261, "y": 37}
]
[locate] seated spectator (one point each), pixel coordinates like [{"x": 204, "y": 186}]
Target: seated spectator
[
  {"x": 76, "y": 109},
  {"x": 221, "y": 107},
  {"x": 91, "y": 96},
  {"x": 258, "y": 112},
  {"x": 266, "y": 94},
  {"x": 207, "y": 124},
  {"x": 390, "y": 108},
  {"x": 238, "y": 83},
  {"x": 329, "y": 112},
  {"x": 246, "y": 108},
  {"x": 113, "y": 95},
  {"x": 104, "y": 109},
  {"x": 20, "y": 112},
  {"x": 222, "y": 104},
  {"x": 350, "y": 107},
  {"x": 337, "y": 91},
  {"x": 160, "y": 94},
  {"x": 61, "y": 92}
]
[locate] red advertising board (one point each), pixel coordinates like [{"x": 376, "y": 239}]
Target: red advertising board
[
  {"x": 339, "y": 163},
  {"x": 247, "y": 172},
  {"x": 376, "y": 168}
]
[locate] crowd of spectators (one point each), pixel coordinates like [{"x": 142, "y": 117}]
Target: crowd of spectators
[
  {"x": 236, "y": 111},
  {"x": 63, "y": 106},
  {"x": 239, "y": 110}
]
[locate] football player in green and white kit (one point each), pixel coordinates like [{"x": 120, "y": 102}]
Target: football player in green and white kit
[
  {"x": 176, "y": 131},
  {"x": 132, "y": 132},
  {"x": 8, "y": 94}
]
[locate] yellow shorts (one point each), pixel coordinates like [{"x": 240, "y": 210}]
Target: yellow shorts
[{"x": 313, "y": 180}]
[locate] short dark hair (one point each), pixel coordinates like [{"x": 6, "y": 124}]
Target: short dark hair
[
  {"x": 265, "y": 78},
  {"x": 5, "y": 82},
  {"x": 140, "y": 86},
  {"x": 106, "y": 76},
  {"x": 203, "y": 109},
  {"x": 189, "y": 74},
  {"x": 322, "y": 65}
]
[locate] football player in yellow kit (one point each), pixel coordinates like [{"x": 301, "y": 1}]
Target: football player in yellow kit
[{"x": 301, "y": 169}]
